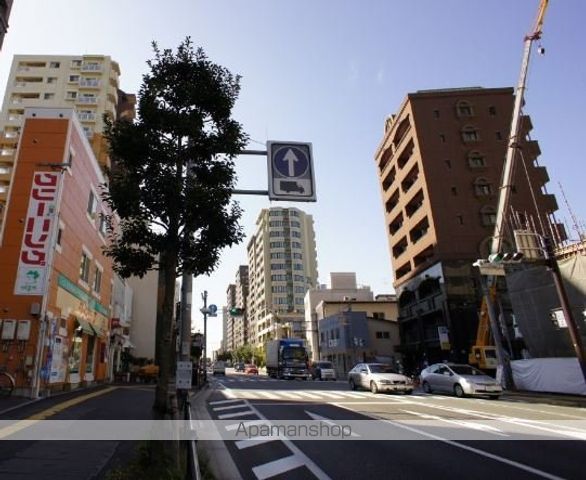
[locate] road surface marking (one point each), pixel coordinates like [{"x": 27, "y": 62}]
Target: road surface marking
[
  {"x": 290, "y": 395},
  {"x": 229, "y": 394},
  {"x": 49, "y": 412},
  {"x": 351, "y": 394},
  {"x": 308, "y": 395},
  {"x": 327, "y": 421},
  {"x": 462, "y": 423},
  {"x": 222, "y": 402},
  {"x": 310, "y": 464},
  {"x": 277, "y": 467},
  {"x": 270, "y": 396},
  {"x": 235, "y": 415},
  {"x": 253, "y": 442},
  {"x": 228, "y": 407},
  {"x": 331, "y": 395}
]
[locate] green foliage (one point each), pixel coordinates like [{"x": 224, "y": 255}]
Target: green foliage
[
  {"x": 172, "y": 171},
  {"x": 225, "y": 356},
  {"x": 142, "y": 466}
]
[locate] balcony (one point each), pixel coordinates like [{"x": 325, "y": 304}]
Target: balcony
[
  {"x": 5, "y": 174},
  {"x": 541, "y": 176},
  {"x": 548, "y": 202},
  {"x": 89, "y": 83},
  {"x": 87, "y": 117},
  {"x": 87, "y": 100},
  {"x": 91, "y": 67}
]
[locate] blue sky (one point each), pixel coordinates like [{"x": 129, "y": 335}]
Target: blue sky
[{"x": 329, "y": 72}]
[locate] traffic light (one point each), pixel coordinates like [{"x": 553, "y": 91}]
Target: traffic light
[
  {"x": 236, "y": 312},
  {"x": 510, "y": 257}
]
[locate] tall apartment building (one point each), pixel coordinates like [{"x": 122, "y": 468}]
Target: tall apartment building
[
  {"x": 439, "y": 166},
  {"x": 230, "y": 303},
  {"x": 240, "y": 323},
  {"x": 282, "y": 266},
  {"x": 87, "y": 83}
]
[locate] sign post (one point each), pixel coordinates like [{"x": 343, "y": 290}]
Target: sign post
[{"x": 183, "y": 376}]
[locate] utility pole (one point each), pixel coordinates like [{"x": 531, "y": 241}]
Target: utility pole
[
  {"x": 204, "y": 310},
  {"x": 185, "y": 329}
]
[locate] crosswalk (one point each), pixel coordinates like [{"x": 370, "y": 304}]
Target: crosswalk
[
  {"x": 256, "y": 379},
  {"x": 301, "y": 395}
]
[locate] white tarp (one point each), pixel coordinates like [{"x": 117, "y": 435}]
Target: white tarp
[{"x": 556, "y": 375}]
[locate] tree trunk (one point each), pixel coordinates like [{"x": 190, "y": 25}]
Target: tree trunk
[{"x": 165, "y": 406}]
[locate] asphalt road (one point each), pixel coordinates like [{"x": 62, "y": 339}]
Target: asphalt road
[{"x": 432, "y": 451}]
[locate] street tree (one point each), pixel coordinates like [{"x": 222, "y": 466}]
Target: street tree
[{"x": 171, "y": 181}]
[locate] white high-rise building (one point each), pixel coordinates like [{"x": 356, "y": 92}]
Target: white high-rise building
[
  {"x": 282, "y": 267},
  {"x": 87, "y": 83}
]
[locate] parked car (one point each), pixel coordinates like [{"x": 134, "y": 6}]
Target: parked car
[
  {"x": 250, "y": 369},
  {"x": 322, "y": 370},
  {"x": 379, "y": 377},
  {"x": 219, "y": 368},
  {"x": 459, "y": 379},
  {"x": 239, "y": 367}
]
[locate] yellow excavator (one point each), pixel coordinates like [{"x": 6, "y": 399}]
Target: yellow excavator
[{"x": 483, "y": 354}]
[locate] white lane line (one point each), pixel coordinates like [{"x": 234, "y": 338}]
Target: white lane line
[
  {"x": 222, "y": 402},
  {"x": 351, "y": 394},
  {"x": 330, "y": 395},
  {"x": 547, "y": 412},
  {"x": 253, "y": 442},
  {"x": 308, "y": 395},
  {"x": 270, "y": 396},
  {"x": 310, "y": 464},
  {"x": 482, "y": 453},
  {"x": 229, "y": 394},
  {"x": 277, "y": 467},
  {"x": 290, "y": 395},
  {"x": 326, "y": 420},
  {"x": 535, "y": 424},
  {"x": 461, "y": 423},
  {"x": 235, "y": 415},
  {"x": 228, "y": 407}
]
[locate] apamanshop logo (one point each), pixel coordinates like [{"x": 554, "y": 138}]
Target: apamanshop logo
[{"x": 319, "y": 430}]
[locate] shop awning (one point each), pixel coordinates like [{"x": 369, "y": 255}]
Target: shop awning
[{"x": 85, "y": 326}]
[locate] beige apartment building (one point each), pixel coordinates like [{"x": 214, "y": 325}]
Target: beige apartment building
[
  {"x": 282, "y": 266},
  {"x": 240, "y": 326},
  {"x": 439, "y": 166},
  {"x": 87, "y": 83},
  {"x": 230, "y": 304}
]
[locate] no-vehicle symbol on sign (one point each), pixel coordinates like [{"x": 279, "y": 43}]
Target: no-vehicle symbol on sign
[{"x": 290, "y": 167}]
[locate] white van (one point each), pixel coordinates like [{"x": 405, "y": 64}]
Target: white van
[{"x": 220, "y": 368}]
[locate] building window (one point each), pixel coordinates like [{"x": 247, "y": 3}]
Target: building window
[
  {"x": 442, "y": 138},
  {"x": 91, "y": 205},
  {"x": 73, "y": 78},
  {"x": 476, "y": 160},
  {"x": 70, "y": 95},
  {"x": 75, "y": 63},
  {"x": 488, "y": 216},
  {"x": 103, "y": 225},
  {"x": 378, "y": 315},
  {"x": 464, "y": 109},
  {"x": 498, "y": 135},
  {"x": 49, "y": 96},
  {"x": 60, "y": 236},
  {"x": 97, "y": 285},
  {"x": 436, "y": 114},
  {"x": 385, "y": 335},
  {"x": 492, "y": 111},
  {"x": 460, "y": 219},
  {"x": 54, "y": 65},
  {"x": 84, "y": 270},
  {"x": 448, "y": 164},
  {"x": 51, "y": 79},
  {"x": 470, "y": 134},
  {"x": 454, "y": 191},
  {"x": 482, "y": 188}
]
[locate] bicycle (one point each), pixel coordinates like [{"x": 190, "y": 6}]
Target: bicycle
[{"x": 7, "y": 383}]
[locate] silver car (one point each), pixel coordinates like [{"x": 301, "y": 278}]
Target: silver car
[
  {"x": 379, "y": 377},
  {"x": 461, "y": 380}
]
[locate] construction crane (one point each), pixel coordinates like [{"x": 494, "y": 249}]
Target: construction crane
[{"x": 483, "y": 354}]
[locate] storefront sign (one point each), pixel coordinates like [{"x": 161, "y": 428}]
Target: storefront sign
[{"x": 31, "y": 277}]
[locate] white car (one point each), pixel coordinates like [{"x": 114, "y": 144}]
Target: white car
[
  {"x": 379, "y": 377},
  {"x": 219, "y": 368}
]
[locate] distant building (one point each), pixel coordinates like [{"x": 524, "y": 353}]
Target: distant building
[
  {"x": 230, "y": 303},
  {"x": 342, "y": 287},
  {"x": 352, "y": 331},
  {"x": 440, "y": 166},
  {"x": 143, "y": 331},
  {"x": 282, "y": 266},
  {"x": 240, "y": 323}
]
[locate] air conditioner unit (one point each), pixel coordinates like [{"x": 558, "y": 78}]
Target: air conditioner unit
[{"x": 35, "y": 308}]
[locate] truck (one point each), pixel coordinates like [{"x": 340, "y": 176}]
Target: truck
[{"x": 287, "y": 358}]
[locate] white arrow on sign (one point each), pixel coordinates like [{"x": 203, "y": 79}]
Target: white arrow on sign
[
  {"x": 291, "y": 159},
  {"x": 326, "y": 420}
]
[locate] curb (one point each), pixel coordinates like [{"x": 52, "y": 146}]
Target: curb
[
  {"x": 544, "y": 398},
  {"x": 216, "y": 453}
]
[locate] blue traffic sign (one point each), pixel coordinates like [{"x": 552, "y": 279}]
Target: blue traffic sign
[
  {"x": 290, "y": 169},
  {"x": 213, "y": 308},
  {"x": 290, "y": 161}
]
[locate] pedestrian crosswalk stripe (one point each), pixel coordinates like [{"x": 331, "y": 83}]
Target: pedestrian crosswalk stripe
[
  {"x": 294, "y": 396},
  {"x": 308, "y": 395},
  {"x": 278, "y": 467},
  {"x": 270, "y": 396},
  {"x": 222, "y": 402},
  {"x": 253, "y": 442},
  {"x": 229, "y": 407},
  {"x": 236, "y": 414},
  {"x": 331, "y": 395}
]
